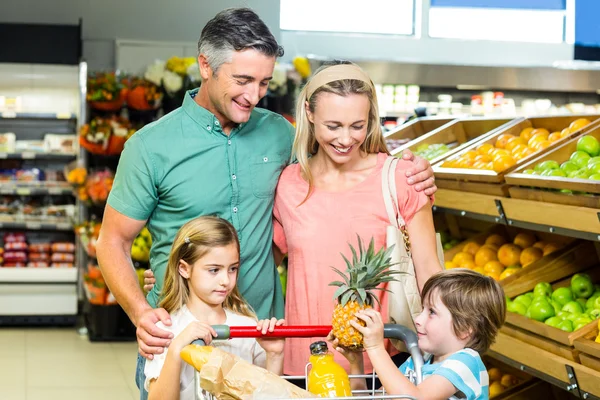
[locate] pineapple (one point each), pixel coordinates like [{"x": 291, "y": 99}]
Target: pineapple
[{"x": 367, "y": 270}]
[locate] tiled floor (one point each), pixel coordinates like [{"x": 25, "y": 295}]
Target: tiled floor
[{"x": 59, "y": 364}]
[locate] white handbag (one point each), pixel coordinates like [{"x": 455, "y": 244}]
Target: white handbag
[{"x": 404, "y": 300}]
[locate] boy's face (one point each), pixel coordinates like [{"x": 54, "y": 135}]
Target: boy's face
[{"x": 435, "y": 330}]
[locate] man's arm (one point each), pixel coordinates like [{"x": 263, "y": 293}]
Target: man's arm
[
  {"x": 114, "y": 258},
  {"x": 421, "y": 175}
]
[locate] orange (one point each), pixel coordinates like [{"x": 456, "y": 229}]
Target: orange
[
  {"x": 526, "y": 133},
  {"x": 471, "y": 247},
  {"x": 470, "y": 155},
  {"x": 485, "y": 148},
  {"x": 536, "y": 138},
  {"x": 495, "y": 374},
  {"x": 450, "y": 265},
  {"x": 500, "y": 153},
  {"x": 503, "y": 140},
  {"x": 530, "y": 255},
  {"x": 485, "y": 255},
  {"x": 493, "y": 267},
  {"x": 540, "y": 245},
  {"x": 508, "y": 381},
  {"x": 524, "y": 239},
  {"x": 509, "y": 254},
  {"x": 461, "y": 257},
  {"x": 478, "y": 165},
  {"x": 492, "y": 246},
  {"x": 503, "y": 163},
  {"x": 565, "y": 132},
  {"x": 479, "y": 270},
  {"x": 508, "y": 272},
  {"x": 578, "y": 124},
  {"x": 483, "y": 158},
  {"x": 496, "y": 239},
  {"x": 551, "y": 247},
  {"x": 495, "y": 276},
  {"x": 515, "y": 141},
  {"x": 541, "y": 131},
  {"x": 554, "y": 136},
  {"x": 468, "y": 265},
  {"x": 541, "y": 145},
  {"x": 448, "y": 164},
  {"x": 495, "y": 389}
]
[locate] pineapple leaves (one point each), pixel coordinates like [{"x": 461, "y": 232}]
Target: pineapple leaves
[
  {"x": 342, "y": 275},
  {"x": 336, "y": 283},
  {"x": 346, "y": 297}
]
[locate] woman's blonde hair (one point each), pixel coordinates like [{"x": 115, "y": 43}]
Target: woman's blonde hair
[
  {"x": 476, "y": 303},
  {"x": 305, "y": 143},
  {"x": 192, "y": 242}
]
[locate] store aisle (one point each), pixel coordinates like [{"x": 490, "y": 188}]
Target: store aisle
[{"x": 53, "y": 364}]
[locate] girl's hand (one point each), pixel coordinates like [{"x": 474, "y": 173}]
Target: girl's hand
[
  {"x": 270, "y": 345},
  {"x": 195, "y": 330},
  {"x": 353, "y": 357},
  {"x": 373, "y": 332}
]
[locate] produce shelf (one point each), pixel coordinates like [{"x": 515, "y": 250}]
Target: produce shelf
[
  {"x": 36, "y": 188},
  {"x": 38, "y": 226}
]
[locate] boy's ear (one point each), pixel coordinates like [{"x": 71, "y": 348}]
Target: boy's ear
[
  {"x": 466, "y": 335},
  {"x": 184, "y": 269}
]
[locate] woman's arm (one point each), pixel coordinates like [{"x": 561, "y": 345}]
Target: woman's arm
[{"x": 423, "y": 245}]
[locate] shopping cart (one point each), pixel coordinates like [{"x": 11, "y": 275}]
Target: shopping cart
[{"x": 390, "y": 331}]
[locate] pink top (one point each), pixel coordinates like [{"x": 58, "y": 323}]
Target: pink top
[{"x": 314, "y": 234}]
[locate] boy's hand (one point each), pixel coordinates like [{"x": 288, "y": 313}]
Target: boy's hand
[
  {"x": 373, "y": 332},
  {"x": 353, "y": 357},
  {"x": 270, "y": 345},
  {"x": 195, "y": 330}
]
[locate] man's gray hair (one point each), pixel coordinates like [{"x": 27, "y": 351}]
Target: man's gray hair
[{"x": 236, "y": 29}]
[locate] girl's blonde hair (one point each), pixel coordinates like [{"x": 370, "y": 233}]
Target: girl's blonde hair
[
  {"x": 192, "y": 242},
  {"x": 305, "y": 143}
]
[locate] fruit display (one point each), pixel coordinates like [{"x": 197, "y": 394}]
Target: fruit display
[
  {"x": 393, "y": 144},
  {"x": 508, "y": 149},
  {"x": 498, "y": 257},
  {"x": 431, "y": 151},
  {"x": 597, "y": 340},
  {"x": 500, "y": 381},
  {"x": 566, "y": 308},
  {"x": 447, "y": 240},
  {"x": 584, "y": 163},
  {"x": 140, "y": 250},
  {"x": 367, "y": 270}
]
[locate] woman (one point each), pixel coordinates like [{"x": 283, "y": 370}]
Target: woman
[{"x": 334, "y": 193}]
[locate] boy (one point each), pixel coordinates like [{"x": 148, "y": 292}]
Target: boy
[{"x": 462, "y": 313}]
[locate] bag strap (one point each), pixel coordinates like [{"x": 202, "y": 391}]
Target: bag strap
[{"x": 390, "y": 194}]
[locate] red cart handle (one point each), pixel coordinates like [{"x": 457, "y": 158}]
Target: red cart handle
[{"x": 299, "y": 331}]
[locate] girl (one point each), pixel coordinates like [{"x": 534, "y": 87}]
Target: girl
[
  {"x": 200, "y": 291},
  {"x": 334, "y": 193}
]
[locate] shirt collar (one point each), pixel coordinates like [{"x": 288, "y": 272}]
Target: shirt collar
[{"x": 204, "y": 118}]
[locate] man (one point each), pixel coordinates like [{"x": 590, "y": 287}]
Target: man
[{"x": 215, "y": 155}]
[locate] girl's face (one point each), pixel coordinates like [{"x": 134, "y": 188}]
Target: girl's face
[
  {"x": 340, "y": 124},
  {"x": 212, "y": 277}
]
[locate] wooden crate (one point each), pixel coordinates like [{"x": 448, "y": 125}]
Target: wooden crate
[
  {"x": 543, "y": 195},
  {"x": 549, "y": 345},
  {"x": 553, "y": 123},
  {"x": 547, "y": 332},
  {"x": 575, "y": 257},
  {"x": 417, "y": 128},
  {"x": 590, "y": 350},
  {"x": 459, "y": 134}
]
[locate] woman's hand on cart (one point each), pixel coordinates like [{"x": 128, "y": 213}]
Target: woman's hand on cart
[
  {"x": 373, "y": 331},
  {"x": 271, "y": 345}
]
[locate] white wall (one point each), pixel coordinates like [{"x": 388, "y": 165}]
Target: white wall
[{"x": 104, "y": 21}]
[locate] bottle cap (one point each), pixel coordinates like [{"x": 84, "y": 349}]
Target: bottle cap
[{"x": 318, "y": 348}]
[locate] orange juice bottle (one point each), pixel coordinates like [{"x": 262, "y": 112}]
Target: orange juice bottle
[{"x": 326, "y": 378}]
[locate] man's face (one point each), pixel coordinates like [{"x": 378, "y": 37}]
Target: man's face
[{"x": 238, "y": 86}]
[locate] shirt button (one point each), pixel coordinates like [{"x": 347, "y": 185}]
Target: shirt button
[
  {"x": 233, "y": 177},
  {"x": 229, "y": 142},
  {"x": 216, "y": 122},
  {"x": 208, "y": 127},
  {"x": 235, "y": 209},
  {"x": 266, "y": 159}
]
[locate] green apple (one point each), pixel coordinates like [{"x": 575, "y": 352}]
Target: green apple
[
  {"x": 563, "y": 315},
  {"x": 589, "y": 144},
  {"x": 562, "y": 295},
  {"x": 573, "y": 316},
  {"x": 523, "y": 299},
  {"x": 565, "y": 325},
  {"x": 553, "y": 321},
  {"x": 557, "y": 307},
  {"x": 542, "y": 289},
  {"x": 597, "y": 303},
  {"x": 594, "y": 177},
  {"x": 580, "y": 158},
  {"x": 582, "y": 173},
  {"x": 589, "y": 304},
  {"x": 568, "y": 167},
  {"x": 573, "y": 307},
  {"x": 582, "y": 286},
  {"x": 518, "y": 308},
  {"x": 581, "y": 301},
  {"x": 546, "y": 165},
  {"x": 592, "y": 162},
  {"x": 541, "y": 310},
  {"x": 594, "y": 314},
  {"x": 529, "y": 172},
  {"x": 581, "y": 322},
  {"x": 556, "y": 172}
]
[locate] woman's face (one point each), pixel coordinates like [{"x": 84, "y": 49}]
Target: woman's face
[{"x": 340, "y": 125}]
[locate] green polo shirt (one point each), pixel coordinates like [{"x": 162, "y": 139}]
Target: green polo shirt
[{"x": 184, "y": 166}]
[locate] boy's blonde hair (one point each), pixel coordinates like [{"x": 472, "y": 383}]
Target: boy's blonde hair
[
  {"x": 476, "y": 303},
  {"x": 305, "y": 143},
  {"x": 196, "y": 238}
]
